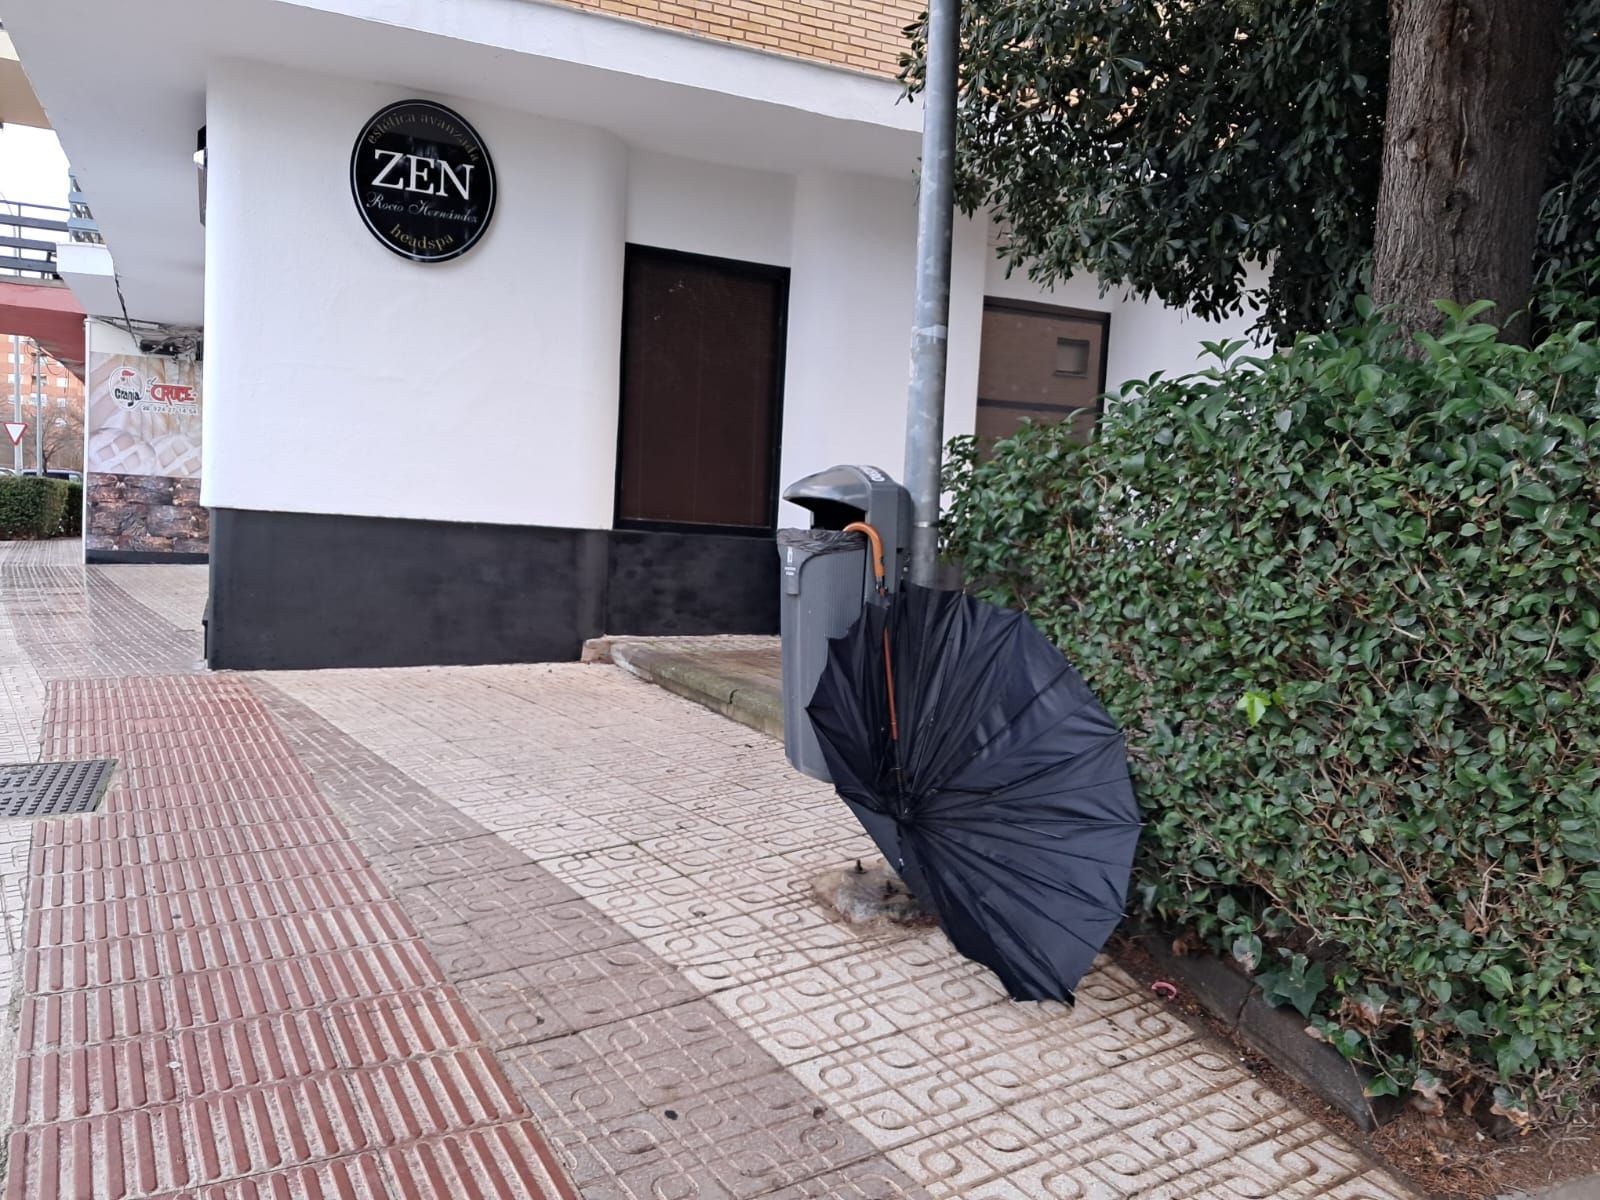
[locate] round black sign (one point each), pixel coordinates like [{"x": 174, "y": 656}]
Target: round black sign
[{"x": 423, "y": 181}]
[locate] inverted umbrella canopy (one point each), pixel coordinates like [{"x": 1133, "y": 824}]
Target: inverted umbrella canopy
[{"x": 991, "y": 778}]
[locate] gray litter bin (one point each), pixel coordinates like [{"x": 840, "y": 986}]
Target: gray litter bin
[
  {"x": 840, "y": 495},
  {"x": 826, "y": 577}
]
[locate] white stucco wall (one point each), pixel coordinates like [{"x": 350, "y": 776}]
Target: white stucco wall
[
  {"x": 968, "y": 272},
  {"x": 104, "y": 337},
  {"x": 850, "y": 308},
  {"x": 849, "y": 312},
  {"x": 341, "y": 378},
  {"x": 701, "y": 208}
]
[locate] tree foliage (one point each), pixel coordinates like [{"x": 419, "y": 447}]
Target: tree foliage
[
  {"x": 63, "y": 436},
  {"x": 1569, "y": 217},
  {"x": 1346, "y": 604},
  {"x": 1221, "y": 155}
]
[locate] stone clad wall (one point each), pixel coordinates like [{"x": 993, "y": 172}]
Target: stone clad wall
[
  {"x": 145, "y": 514},
  {"x": 863, "y": 34}
]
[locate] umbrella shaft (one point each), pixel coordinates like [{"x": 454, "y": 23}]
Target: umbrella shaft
[{"x": 888, "y": 677}]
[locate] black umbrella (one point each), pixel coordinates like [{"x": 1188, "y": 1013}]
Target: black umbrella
[{"x": 990, "y": 777}]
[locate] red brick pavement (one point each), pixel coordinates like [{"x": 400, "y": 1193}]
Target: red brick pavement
[{"x": 221, "y": 999}]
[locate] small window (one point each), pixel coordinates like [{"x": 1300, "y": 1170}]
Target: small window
[{"x": 1072, "y": 357}]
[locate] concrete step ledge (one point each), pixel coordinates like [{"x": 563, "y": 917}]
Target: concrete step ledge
[{"x": 699, "y": 677}]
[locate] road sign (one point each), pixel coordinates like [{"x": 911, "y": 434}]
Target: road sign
[{"x": 15, "y": 430}]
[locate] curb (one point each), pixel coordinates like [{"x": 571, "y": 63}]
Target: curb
[
  {"x": 726, "y": 693},
  {"x": 1277, "y": 1034}
]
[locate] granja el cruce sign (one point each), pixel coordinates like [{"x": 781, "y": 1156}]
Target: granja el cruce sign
[{"x": 423, "y": 181}]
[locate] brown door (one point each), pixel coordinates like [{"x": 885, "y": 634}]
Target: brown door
[
  {"x": 1039, "y": 364},
  {"x": 702, "y": 369}
]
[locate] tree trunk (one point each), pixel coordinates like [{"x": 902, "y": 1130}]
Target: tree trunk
[{"x": 1466, "y": 147}]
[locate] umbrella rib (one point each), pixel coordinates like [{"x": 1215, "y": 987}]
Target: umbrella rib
[
  {"x": 959, "y": 849},
  {"x": 1015, "y": 622},
  {"x": 935, "y": 830},
  {"x": 1031, "y": 777},
  {"x": 1006, "y": 794},
  {"x": 1115, "y": 864},
  {"x": 1085, "y": 823},
  {"x": 1012, "y": 718},
  {"x": 1042, "y": 732},
  {"x": 1117, "y": 911},
  {"x": 986, "y": 910}
]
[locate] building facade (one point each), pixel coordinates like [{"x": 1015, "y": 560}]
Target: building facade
[
  {"x": 46, "y": 397},
  {"x": 571, "y": 412}
]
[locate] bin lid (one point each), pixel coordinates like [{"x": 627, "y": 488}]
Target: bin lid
[{"x": 854, "y": 486}]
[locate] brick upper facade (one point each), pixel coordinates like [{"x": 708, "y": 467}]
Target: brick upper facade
[{"x": 865, "y": 35}]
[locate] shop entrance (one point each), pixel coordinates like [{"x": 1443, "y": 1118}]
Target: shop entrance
[
  {"x": 1040, "y": 363},
  {"x": 702, "y": 387}
]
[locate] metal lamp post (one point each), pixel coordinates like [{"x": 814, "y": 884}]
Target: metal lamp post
[
  {"x": 16, "y": 374},
  {"x": 38, "y": 408},
  {"x": 930, "y": 334}
]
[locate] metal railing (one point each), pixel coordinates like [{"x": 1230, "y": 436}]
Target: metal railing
[
  {"x": 29, "y": 234},
  {"x": 28, "y": 237}
]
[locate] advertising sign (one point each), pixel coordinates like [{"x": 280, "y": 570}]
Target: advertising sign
[
  {"x": 423, "y": 181},
  {"x": 142, "y": 457}
]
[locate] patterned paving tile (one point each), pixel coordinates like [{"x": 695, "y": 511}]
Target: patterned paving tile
[
  {"x": 176, "y": 596},
  {"x": 646, "y": 1089},
  {"x": 568, "y": 937},
  {"x": 74, "y": 623},
  {"x": 691, "y": 834}
]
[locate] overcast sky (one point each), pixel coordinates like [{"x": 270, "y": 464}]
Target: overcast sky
[{"x": 32, "y": 167}]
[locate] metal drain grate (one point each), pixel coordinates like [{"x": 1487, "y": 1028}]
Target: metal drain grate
[{"x": 52, "y": 788}]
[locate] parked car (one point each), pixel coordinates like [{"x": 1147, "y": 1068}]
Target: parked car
[{"x": 51, "y": 473}]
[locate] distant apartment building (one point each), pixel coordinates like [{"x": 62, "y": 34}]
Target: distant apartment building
[{"x": 48, "y": 398}]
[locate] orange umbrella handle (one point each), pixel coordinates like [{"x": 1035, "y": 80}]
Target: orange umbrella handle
[
  {"x": 877, "y": 551},
  {"x": 883, "y": 590}
]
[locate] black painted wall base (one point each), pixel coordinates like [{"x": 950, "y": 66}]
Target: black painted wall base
[
  {"x": 691, "y": 583},
  {"x": 103, "y": 557},
  {"x": 307, "y": 590}
]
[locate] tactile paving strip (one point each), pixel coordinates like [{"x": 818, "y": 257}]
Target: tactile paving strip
[
  {"x": 49, "y": 789},
  {"x": 219, "y": 999}
]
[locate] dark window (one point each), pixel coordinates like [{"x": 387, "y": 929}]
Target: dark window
[
  {"x": 702, "y": 378},
  {"x": 1039, "y": 363},
  {"x": 1072, "y": 357}
]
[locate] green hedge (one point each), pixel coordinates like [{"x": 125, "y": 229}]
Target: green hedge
[
  {"x": 72, "y": 510},
  {"x": 1347, "y": 604},
  {"x": 31, "y": 506}
]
